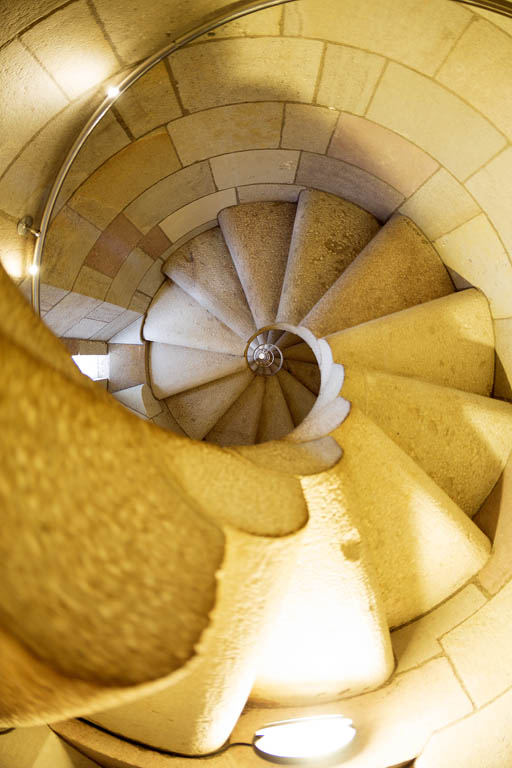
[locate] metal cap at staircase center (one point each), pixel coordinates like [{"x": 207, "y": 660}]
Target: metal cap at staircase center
[{"x": 264, "y": 358}]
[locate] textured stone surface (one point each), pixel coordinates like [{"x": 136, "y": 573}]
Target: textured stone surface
[
  {"x": 139, "y": 398},
  {"x": 204, "y": 269},
  {"x": 39, "y": 748},
  {"x": 85, "y": 329},
  {"x": 483, "y": 738},
  {"x": 124, "y": 176},
  {"x": 308, "y": 127},
  {"x": 299, "y": 399},
  {"x": 495, "y": 519},
  {"x": 398, "y": 269},
  {"x": 435, "y": 119},
  {"x": 348, "y": 79},
  {"x": 423, "y": 546},
  {"x": 310, "y": 653},
  {"x": 72, "y": 48},
  {"x": 174, "y": 317},
  {"x": 174, "y": 369},
  {"x": 69, "y": 240},
  {"x": 421, "y": 37},
  {"x": 26, "y": 89},
  {"x": 448, "y": 341},
  {"x": 348, "y": 182},
  {"x": 492, "y": 187},
  {"x": 113, "y": 247},
  {"x": 155, "y": 243},
  {"x": 382, "y": 153},
  {"x": 276, "y": 166},
  {"x": 239, "y": 424},
  {"x": 474, "y": 646},
  {"x": 128, "y": 277},
  {"x": 440, "y": 205},
  {"x": 170, "y": 194},
  {"x": 129, "y": 335},
  {"x": 307, "y": 373},
  {"x": 204, "y": 211},
  {"x": 475, "y": 252},
  {"x": 461, "y": 440},
  {"x": 328, "y": 233},
  {"x": 126, "y": 365},
  {"x": 275, "y": 418},
  {"x": 226, "y": 129},
  {"x": 477, "y": 70},
  {"x": 253, "y": 193},
  {"x": 90, "y": 282},
  {"x": 503, "y": 373},
  {"x": 149, "y": 103},
  {"x": 69, "y": 311},
  {"x": 258, "y": 237},
  {"x": 153, "y": 279},
  {"x": 120, "y": 321},
  {"x": 198, "y": 410},
  {"x": 252, "y": 79}
]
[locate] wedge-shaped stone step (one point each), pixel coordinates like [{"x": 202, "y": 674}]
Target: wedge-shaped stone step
[
  {"x": 460, "y": 439},
  {"x": 140, "y": 399},
  {"x": 166, "y": 420},
  {"x": 300, "y": 400},
  {"x": 448, "y": 341},
  {"x": 307, "y": 373},
  {"x": 330, "y": 637},
  {"x": 176, "y": 318},
  {"x": 239, "y": 425},
  {"x": 258, "y": 237},
  {"x": 198, "y": 410},
  {"x": 423, "y": 546},
  {"x": 204, "y": 269},
  {"x": 275, "y": 420},
  {"x": 293, "y": 458},
  {"x": 328, "y": 234},
  {"x": 399, "y": 268},
  {"x": 174, "y": 369}
]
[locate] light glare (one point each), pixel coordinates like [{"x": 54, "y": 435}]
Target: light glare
[
  {"x": 33, "y": 269},
  {"x": 306, "y": 738},
  {"x": 113, "y": 91}
]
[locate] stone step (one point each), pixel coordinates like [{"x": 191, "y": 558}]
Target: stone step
[
  {"x": 275, "y": 420},
  {"x": 174, "y": 369},
  {"x": 239, "y": 425},
  {"x": 298, "y": 398}
]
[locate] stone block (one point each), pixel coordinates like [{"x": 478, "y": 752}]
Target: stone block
[
  {"x": 124, "y": 176},
  {"x": 71, "y": 46},
  {"x": 351, "y": 183},
  {"x": 127, "y": 366},
  {"x": 418, "y": 35},
  {"x": 153, "y": 279},
  {"x": 478, "y": 69},
  {"x": 226, "y": 129},
  {"x": 149, "y": 103},
  {"x": 128, "y": 277},
  {"x": 85, "y": 329},
  {"x": 503, "y": 373},
  {"x": 106, "y": 311},
  {"x": 495, "y": 519},
  {"x": 201, "y": 211},
  {"x": 121, "y": 321},
  {"x": 169, "y": 194},
  {"x": 262, "y": 166},
  {"x": 475, "y": 252},
  {"x": 26, "y": 90},
  {"x": 417, "y": 642},
  {"x": 69, "y": 240},
  {"x": 475, "y": 646},
  {"x": 382, "y": 153},
  {"x": 308, "y": 127},
  {"x": 440, "y": 205},
  {"x": 113, "y": 247},
  {"x": 492, "y": 188},
  {"x": 154, "y": 243},
  {"x": 253, "y": 77},
  {"x": 69, "y": 311},
  {"x": 253, "y": 193},
  {"x": 435, "y": 119},
  {"x": 90, "y": 282},
  {"x": 348, "y": 79}
]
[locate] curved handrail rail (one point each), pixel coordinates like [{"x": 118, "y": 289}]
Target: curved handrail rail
[
  {"x": 504, "y": 7},
  {"x": 247, "y": 8}
]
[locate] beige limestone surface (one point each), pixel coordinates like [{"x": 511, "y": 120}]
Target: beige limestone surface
[
  {"x": 299, "y": 399},
  {"x": 275, "y": 418},
  {"x": 491, "y": 186},
  {"x": 149, "y": 103},
  {"x": 255, "y": 166},
  {"x": 328, "y": 234},
  {"x": 448, "y": 341},
  {"x": 496, "y": 514},
  {"x": 239, "y": 424},
  {"x": 348, "y": 78},
  {"x": 202, "y": 211},
  {"x": 308, "y": 127},
  {"x": 70, "y": 239},
  {"x": 197, "y": 410},
  {"x": 174, "y": 369},
  {"x": 252, "y": 193},
  {"x": 307, "y": 373},
  {"x": 398, "y": 269}
]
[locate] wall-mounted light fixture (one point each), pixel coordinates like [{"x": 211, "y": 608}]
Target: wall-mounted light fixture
[{"x": 305, "y": 740}]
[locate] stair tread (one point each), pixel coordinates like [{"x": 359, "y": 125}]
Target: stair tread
[
  {"x": 173, "y": 368},
  {"x": 293, "y": 458},
  {"x": 337, "y": 646},
  {"x": 239, "y": 425},
  {"x": 307, "y": 373},
  {"x": 174, "y": 317},
  {"x": 204, "y": 269},
  {"x": 198, "y": 410},
  {"x": 399, "y": 268},
  {"x": 328, "y": 234},
  {"x": 462, "y": 440},
  {"x": 139, "y": 398},
  {"x": 258, "y": 237},
  {"x": 424, "y": 547},
  {"x": 448, "y": 341},
  {"x": 298, "y": 398},
  {"x": 275, "y": 420}
]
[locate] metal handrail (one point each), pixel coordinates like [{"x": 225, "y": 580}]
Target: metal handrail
[{"x": 105, "y": 106}]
